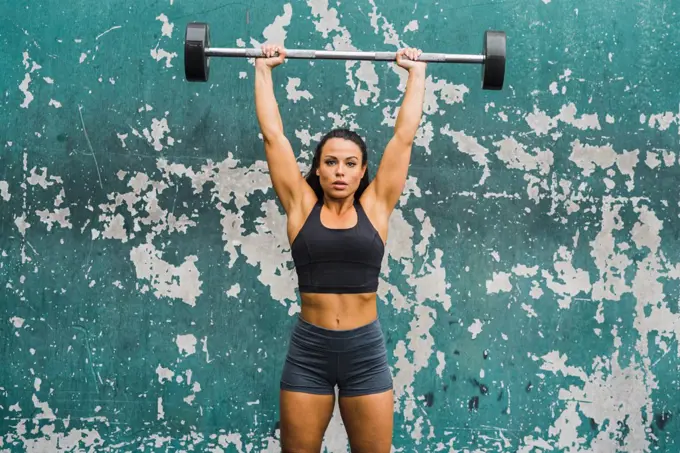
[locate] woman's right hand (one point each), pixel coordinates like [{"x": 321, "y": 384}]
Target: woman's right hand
[{"x": 269, "y": 58}]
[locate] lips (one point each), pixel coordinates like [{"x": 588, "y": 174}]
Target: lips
[{"x": 339, "y": 184}]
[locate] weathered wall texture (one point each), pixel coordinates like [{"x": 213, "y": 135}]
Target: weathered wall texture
[{"x": 530, "y": 293}]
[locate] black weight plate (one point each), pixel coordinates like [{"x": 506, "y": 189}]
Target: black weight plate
[
  {"x": 196, "y": 64},
  {"x": 493, "y": 70}
]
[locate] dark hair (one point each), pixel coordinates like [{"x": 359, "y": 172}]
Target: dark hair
[{"x": 313, "y": 179}]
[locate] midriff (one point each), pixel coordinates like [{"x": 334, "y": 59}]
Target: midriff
[{"x": 339, "y": 311}]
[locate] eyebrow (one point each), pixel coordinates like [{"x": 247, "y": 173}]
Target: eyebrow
[{"x": 350, "y": 157}]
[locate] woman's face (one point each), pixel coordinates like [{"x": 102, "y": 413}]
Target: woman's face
[{"x": 340, "y": 162}]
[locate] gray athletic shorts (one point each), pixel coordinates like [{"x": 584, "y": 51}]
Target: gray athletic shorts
[{"x": 318, "y": 359}]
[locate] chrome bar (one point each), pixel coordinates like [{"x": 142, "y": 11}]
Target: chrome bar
[{"x": 343, "y": 55}]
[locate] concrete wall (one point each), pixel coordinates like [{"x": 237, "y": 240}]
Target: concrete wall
[{"x": 529, "y": 295}]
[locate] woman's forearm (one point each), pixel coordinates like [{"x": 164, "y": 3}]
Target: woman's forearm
[
  {"x": 266, "y": 107},
  {"x": 411, "y": 109}
]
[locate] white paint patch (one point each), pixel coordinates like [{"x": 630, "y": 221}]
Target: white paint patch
[
  {"x": 275, "y": 33},
  {"x": 160, "y": 54},
  {"x": 530, "y": 311},
  {"x": 22, "y": 224},
  {"x": 566, "y": 75},
  {"x": 663, "y": 121},
  {"x": 610, "y": 262},
  {"x": 225, "y": 440},
  {"x": 49, "y": 80},
  {"x": 45, "y": 408},
  {"x": 441, "y": 363},
  {"x": 536, "y": 292},
  {"x": 389, "y": 32},
  {"x": 242, "y": 75},
  {"x": 4, "y": 190},
  {"x": 83, "y": 56},
  {"x": 23, "y": 87},
  {"x": 449, "y": 93},
  {"x": 652, "y": 160},
  {"x": 668, "y": 159},
  {"x": 164, "y": 374},
  {"x": 18, "y": 322},
  {"x": 58, "y": 216},
  {"x": 122, "y": 138},
  {"x": 599, "y": 399},
  {"x": 234, "y": 291},
  {"x": 411, "y": 26},
  {"x": 55, "y": 104},
  {"x": 515, "y": 156},
  {"x": 293, "y": 93},
  {"x": 589, "y": 157},
  {"x": 523, "y": 271},
  {"x": 541, "y": 123},
  {"x": 500, "y": 282},
  {"x": 469, "y": 145},
  {"x": 167, "y": 28},
  {"x": 178, "y": 282},
  {"x": 475, "y": 328},
  {"x": 186, "y": 344},
  {"x": 568, "y": 281},
  {"x": 159, "y": 407},
  {"x": 610, "y": 119},
  {"x": 36, "y": 384},
  {"x": 204, "y": 340},
  {"x": 114, "y": 228},
  {"x": 158, "y": 130}
]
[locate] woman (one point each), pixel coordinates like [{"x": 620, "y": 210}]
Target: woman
[{"x": 337, "y": 227}]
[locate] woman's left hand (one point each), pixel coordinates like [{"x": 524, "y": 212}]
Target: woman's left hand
[{"x": 407, "y": 58}]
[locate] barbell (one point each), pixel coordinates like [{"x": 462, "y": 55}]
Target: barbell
[{"x": 197, "y": 53}]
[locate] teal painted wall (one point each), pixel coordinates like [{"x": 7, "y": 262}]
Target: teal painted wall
[{"x": 529, "y": 295}]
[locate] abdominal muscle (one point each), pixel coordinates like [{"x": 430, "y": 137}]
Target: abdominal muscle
[{"x": 339, "y": 311}]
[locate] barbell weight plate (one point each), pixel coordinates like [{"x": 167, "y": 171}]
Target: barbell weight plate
[
  {"x": 493, "y": 69},
  {"x": 196, "y": 63}
]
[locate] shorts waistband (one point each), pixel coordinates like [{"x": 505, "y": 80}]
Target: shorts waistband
[{"x": 332, "y": 333}]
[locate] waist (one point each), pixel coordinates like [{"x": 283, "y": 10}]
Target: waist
[
  {"x": 356, "y": 340},
  {"x": 337, "y": 277},
  {"x": 339, "y": 311}
]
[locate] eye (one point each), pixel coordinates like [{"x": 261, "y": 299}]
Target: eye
[{"x": 351, "y": 164}]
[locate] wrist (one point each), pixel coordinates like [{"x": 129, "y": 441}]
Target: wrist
[{"x": 417, "y": 71}]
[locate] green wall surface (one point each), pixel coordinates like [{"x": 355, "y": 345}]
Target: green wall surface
[{"x": 530, "y": 290}]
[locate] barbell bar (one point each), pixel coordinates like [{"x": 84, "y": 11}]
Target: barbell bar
[{"x": 197, "y": 54}]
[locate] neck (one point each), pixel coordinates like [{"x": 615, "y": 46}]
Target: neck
[{"x": 339, "y": 207}]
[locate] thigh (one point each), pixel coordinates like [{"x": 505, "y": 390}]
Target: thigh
[
  {"x": 304, "y": 419},
  {"x": 369, "y": 420}
]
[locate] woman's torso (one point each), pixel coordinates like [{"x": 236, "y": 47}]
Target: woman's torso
[{"x": 338, "y": 311}]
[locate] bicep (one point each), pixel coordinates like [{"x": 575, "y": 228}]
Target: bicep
[{"x": 390, "y": 179}]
